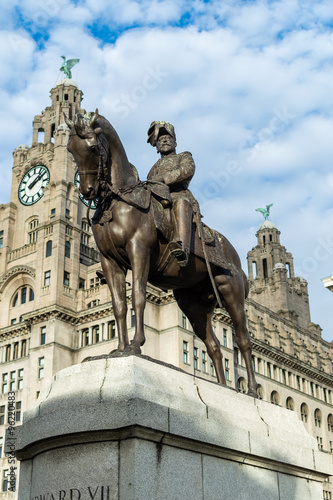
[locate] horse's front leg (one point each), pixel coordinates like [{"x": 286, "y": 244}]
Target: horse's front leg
[
  {"x": 140, "y": 261},
  {"x": 115, "y": 276}
]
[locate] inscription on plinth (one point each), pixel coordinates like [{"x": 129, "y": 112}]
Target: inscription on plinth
[{"x": 89, "y": 493}]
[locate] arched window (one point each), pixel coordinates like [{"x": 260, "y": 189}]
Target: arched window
[
  {"x": 33, "y": 232},
  {"x": 242, "y": 385},
  {"x": 85, "y": 337},
  {"x": 260, "y": 392},
  {"x": 23, "y": 295},
  {"x": 40, "y": 137},
  {"x": 264, "y": 268},
  {"x": 48, "y": 249},
  {"x": 15, "y": 350},
  {"x": 317, "y": 417},
  {"x": 304, "y": 412},
  {"x": 290, "y": 405},
  {"x": 67, "y": 249},
  {"x": 275, "y": 398},
  {"x": 330, "y": 422}
]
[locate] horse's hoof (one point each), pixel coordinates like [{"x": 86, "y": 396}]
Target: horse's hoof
[
  {"x": 252, "y": 393},
  {"x": 133, "y": 349}
]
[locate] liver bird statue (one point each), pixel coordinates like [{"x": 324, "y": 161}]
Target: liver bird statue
[
  {"x": 265, "y": 211},
  {"x": 67, "y": 66}
]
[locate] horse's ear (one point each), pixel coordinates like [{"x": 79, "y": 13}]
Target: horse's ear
[
  {"x": 68, "y": 122},
  {"x": 94, "y": 118}
]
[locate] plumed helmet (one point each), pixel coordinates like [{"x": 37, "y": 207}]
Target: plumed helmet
[{"x": 157, "y": 129}]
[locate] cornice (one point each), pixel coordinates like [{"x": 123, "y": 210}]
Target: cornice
[{"x": 289, "y": 361}]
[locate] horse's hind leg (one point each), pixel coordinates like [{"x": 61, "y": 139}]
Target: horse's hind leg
[
  {"x": 232, "y": 290},
  {"x": 199, "y": 314}
]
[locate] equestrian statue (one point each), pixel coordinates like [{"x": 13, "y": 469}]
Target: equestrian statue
[{"x": 154, "y": 228}]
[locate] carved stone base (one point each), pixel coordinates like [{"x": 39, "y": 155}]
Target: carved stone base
[{"x": 132, "y": 429}]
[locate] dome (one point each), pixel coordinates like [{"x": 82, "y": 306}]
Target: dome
[
  {"x": 279, "y": 265},
  {"x": 22, "y": 147},
  {"x": 67, "y": 82},
  {"x": 267, "y": 224}
]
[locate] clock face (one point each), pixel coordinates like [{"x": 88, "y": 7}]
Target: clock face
[
  {"x": 32, "y": 185},
  {"x": 93, "y": 205}
]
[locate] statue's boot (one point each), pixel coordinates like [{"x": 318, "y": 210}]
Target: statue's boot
[{"x": 180, "y": 247}]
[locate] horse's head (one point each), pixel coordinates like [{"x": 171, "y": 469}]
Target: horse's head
[{"x": 90, "y": 150}]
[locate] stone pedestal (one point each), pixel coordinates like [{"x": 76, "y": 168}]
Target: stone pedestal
[{"x": 134, "y": 429}]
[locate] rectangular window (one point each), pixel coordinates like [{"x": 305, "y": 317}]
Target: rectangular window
[
  {"x": 47, "y": 278},
  {"x": 133, "y": 319},
  {"x": 18, "y": 411},
  {"x": 111, "y": 329},
  {"x": 1, "y": 446},
  {"x": 82, "y": 284},
  {"x": 185, "y": 352},
  {"x": 204, "y": 362},
  {"x": 67, "y": 214},
  {"x": 320, "y": 443},
  {"x": 269, "y": 370},
  {"x": 20, "y": 379},
  {"x": 1, "y": 239},
  {"x": 85, "y": 337},
  {"x": 95, "y": 332},
  {"x": 5, "y": 480},
  {"x": 41, "y": 368},
  {"x": 212, "y": 370},
  {"x": 53, "y": 212},
  {"x": 24, "y": 295},
  {"x": 66, "y": 278},
  {"x": 183, "y": 320},
  {"x": 196, "y": 358},
  {"x": 225, "y": 337},
  {"x": 227, "y": 369},
  {"x": 2, "y": 414},
  {"x": 42, "y": 335},
  {"x": 12, "y": 381},
  {"x": 4, "y": 383},
  {"x": 13, "y": 321},
  {"x": 68, "y": 249}
]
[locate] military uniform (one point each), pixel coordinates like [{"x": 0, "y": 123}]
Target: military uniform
[{"x": 176, "y": 171}]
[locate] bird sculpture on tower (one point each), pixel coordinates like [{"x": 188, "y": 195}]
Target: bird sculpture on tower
[{"x": 68, "y": 65}]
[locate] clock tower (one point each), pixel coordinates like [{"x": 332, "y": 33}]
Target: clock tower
[{"x": 45, "y": 246}]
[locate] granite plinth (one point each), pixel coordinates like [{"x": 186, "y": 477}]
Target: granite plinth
[{"x": 130, "y": 428}]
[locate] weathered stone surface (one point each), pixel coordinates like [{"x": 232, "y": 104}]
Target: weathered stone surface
[{"x": 130, "y": 428}]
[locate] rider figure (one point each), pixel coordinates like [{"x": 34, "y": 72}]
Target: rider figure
[{"x": 176, "y": 171}]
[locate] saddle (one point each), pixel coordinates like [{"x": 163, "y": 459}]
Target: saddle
[{"x": 156, "y": 195}]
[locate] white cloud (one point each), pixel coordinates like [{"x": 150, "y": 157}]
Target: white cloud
[{"x": 244, "y": 75}]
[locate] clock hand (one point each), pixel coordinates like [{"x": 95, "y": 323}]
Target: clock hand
[{"x": 35, "y": 181}]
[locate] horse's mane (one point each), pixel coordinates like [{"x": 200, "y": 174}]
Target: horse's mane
[{"x": 94, "y": 122}]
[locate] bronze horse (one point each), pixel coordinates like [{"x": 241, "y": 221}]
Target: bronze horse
[{"x": 127, "y": 238}]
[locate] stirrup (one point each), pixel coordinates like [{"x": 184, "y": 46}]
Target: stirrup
[{"x": 177, "y": 250}]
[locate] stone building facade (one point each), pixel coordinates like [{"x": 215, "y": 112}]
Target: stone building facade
[{"x": 55, "y": 313}]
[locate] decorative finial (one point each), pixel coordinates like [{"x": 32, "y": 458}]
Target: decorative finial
[
  {"x": 265, "y": 211},
  {"x": 67, "y": 66}
]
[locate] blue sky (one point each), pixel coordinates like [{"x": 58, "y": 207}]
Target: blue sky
[{"x": 247, "y": 85}]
